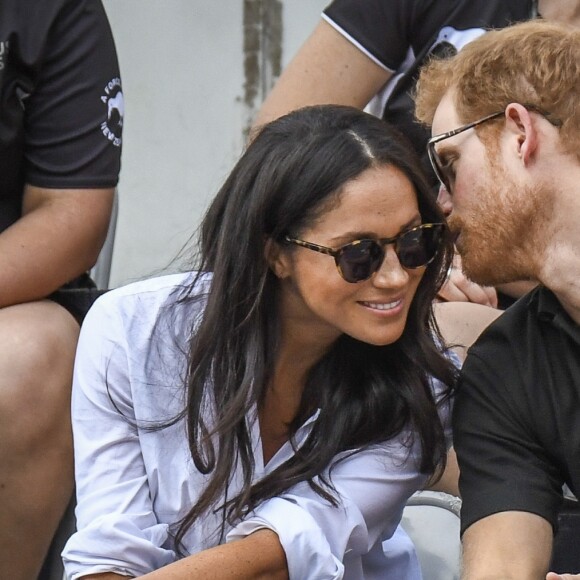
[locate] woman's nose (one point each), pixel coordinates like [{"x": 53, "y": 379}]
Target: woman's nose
[{"x": 391, "y": 274}]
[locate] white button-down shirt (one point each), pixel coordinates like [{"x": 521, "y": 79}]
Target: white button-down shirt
[{"x": 134, "y": 483}]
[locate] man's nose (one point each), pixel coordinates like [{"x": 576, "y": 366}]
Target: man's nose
[{"x": 444, "y": 200}]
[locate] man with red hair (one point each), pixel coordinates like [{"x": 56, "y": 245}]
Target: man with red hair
[{"x": 506, "y": 149}]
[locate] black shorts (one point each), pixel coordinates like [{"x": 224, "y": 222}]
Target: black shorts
[{"x": 77, "y": 296}]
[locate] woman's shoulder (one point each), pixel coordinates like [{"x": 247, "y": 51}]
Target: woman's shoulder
[
  {"x": 144, "y": 303},
  {"x": 159, "y": 290},
  {"x": 154, "y": 285}
]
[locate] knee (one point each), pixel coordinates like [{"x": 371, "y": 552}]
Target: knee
[{"x": 37, "y": 346}]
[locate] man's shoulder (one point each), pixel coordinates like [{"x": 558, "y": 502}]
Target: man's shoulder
[{"x": 510, "y": 335}]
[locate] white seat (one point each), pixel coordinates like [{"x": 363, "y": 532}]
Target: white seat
[{"x": 431, "y": 519}]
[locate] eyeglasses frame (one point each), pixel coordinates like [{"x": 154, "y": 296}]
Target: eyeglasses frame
[
  {"x": 382, "y": 242},
  {"x": 434, "y": 157}
]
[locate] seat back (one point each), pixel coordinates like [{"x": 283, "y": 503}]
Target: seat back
[{"x": 431, "y": 519}]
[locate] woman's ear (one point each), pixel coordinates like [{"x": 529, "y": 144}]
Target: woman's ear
[{"x": 277, "y": 258}]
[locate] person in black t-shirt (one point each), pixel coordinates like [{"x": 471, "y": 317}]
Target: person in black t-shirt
[
  {"x": 60, "y": 142},
  {"x": 517, "y": 413}
]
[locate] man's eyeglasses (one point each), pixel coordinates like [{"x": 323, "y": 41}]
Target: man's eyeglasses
[
  {"x": 360, "y": 259},
  {"x": 442, "y": 171}
]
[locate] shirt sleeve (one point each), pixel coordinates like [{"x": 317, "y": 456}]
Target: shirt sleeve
[
  {"x": 373, "y": 486},
  {"x": 74, "y": 112},
  {"x": 380, "y": 28},
  {"x": 503, "y": 466},
  {"x": 117, "y": 528}
]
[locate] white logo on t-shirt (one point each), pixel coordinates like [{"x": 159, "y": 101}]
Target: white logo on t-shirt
[
  {"x": 457, "y": 38},
  {"x": 4, "y": 46},
  {"x": 113, "y": 99}
]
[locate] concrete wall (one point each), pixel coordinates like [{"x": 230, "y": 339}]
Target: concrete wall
[{"x": 194, "y": 72}]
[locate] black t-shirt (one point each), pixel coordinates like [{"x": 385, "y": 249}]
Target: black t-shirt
[
  {"x": 516, "y": 420},
  {"x": 400, "y": 35},
  {"x": 61, "y": 109}
]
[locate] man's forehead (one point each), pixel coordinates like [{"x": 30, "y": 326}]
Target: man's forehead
[{"x": 445, "y": 117}]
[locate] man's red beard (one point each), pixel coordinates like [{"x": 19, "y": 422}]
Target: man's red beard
[
  {"x": 480, "y": 257},
  {"x": 498, "y": 235}
]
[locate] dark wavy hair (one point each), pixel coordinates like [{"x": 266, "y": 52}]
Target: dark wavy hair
[{"x": 289, "y": 175}]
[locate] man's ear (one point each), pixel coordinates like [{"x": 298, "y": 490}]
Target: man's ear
[
  {"x": 277, "y": 258},
  {"x": 521, "y": 125}
]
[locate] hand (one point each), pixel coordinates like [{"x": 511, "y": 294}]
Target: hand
[
  {"x": 458, "y": 288},
  {"x": 554, "y": 576}
]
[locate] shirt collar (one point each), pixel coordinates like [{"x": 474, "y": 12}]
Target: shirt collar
[{"x": 550, "y": 310}]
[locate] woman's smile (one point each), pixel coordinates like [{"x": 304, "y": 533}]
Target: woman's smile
[{"x": 384, "y": 307}]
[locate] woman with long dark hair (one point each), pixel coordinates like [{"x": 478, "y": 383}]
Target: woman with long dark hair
[{"x": 292, "y": 392}]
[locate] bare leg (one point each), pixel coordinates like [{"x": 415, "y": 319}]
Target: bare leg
[{"x": 37, "y": 345}]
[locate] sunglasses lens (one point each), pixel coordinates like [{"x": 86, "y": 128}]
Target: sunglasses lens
[
  {"x": 418, "y": 247},
  {"x": 359, "y": 260}
]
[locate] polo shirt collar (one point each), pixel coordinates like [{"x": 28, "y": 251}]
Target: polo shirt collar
[{"x": 549, "y": 309}]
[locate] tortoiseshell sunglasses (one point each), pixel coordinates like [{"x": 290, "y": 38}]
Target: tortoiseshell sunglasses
[{"x": 360, "y": 259}]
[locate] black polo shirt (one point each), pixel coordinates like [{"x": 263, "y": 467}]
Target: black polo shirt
[
  {"x": 401, "y": 35},
  {"x": 517, "y": 412},
  {"x": 61, "y": 103}
]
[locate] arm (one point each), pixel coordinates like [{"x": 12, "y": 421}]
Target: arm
[
  {"x": 70, "y": 163},
  {"x": 58, "y": 238},
  {"x": 449, "y": 481},
  {"x": 117, "y": 527},
  {"x": 328, "y": 68},
  {"x": 257, "y": 556},
  {"x": 373, "y": 486},
  {"x": 461, "y": 323},
  {"x": 507, "y": 546}
]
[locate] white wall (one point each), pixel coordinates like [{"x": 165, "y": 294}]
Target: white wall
[{"x": 182, "y": 63}]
